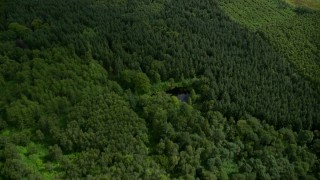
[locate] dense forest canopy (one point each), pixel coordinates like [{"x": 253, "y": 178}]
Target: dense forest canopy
[{"x": 84, "y": 89}]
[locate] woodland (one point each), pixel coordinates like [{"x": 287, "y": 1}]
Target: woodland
[{"x": 91, "y": 89}]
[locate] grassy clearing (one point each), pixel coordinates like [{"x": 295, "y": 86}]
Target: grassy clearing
[
  {"x": 312, "y": 4},
  {"x": 165, "y": 86},
  {"x": 295, "y": 34},
  {"x": 256, "y": 13}
]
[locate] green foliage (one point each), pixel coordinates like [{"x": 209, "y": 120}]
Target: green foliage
[
  {"x": 291, "y": 33},
  {"x": 83, "y": 90},
  {"x": 138, "y": 80},
  {"x": 312, "y": 4},
  {"x": 25, "y": 161},
  {"x": 36, "y": 23},
  {"x": 22, "y": 113},
  {"x": 19, "y": 29}
]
